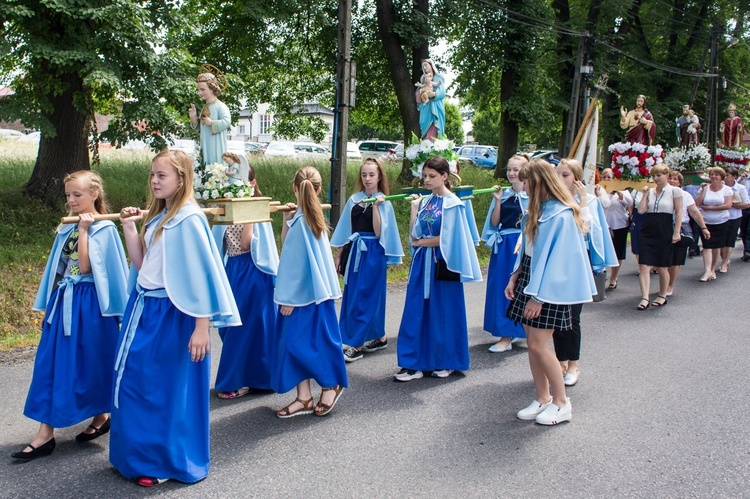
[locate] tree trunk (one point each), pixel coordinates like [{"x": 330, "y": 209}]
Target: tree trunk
[
  {"x": 566, "y": 51},
  {"x": 400, "y": 75},
  {"x": 66, "y": 152},
  {"x": 508, "y": 126}
]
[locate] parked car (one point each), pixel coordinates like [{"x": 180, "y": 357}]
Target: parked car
[
  {"x": 31, "y": 137},
  {"x": 236, "y": 146},
  {"x": 188, "y": 146},
  {"x": 352, "y": 151},
  {"x": 483, "y": 156},
  {"x": 280, "y": 149},
  {"x": 6, "y": 133},
  {"x": 311, "y": 151},
  {"x": 550, "y": 155},
  {"x": 375, "y": 148},
  {"x": 254, "y": 149}
]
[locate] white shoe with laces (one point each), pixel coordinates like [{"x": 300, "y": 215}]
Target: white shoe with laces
[
  {"x": 442, "y": 373},
  {"x": 553, "y": 414},
  {"x": 533, "y": 410}
]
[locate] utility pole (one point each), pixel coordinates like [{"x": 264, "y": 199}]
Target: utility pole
[
  {"x": 712, "y": 97},
  {"x": 344, "y": 89},
  {"x": 579, "y": 94}
]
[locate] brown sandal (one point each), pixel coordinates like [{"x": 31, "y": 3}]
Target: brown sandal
[
  {"x": 328, "y": 408},
  {"x": 307, "y": 408}
]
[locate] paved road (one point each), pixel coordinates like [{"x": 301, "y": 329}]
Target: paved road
[{"x": 661, "y": 410}]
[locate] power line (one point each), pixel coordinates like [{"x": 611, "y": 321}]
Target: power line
[
  {"x": 737, "y": 85},
  {"x": 656, "y": 65}
]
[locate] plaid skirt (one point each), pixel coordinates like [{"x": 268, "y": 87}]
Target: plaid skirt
[{"x": 552, "y": 316}]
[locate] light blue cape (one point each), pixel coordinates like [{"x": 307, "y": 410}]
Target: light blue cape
[
  {"x": 389, "y": 237},
  {"x": 560, "y": 268},
  {"x": 306, "y": 271},
  {"x": 602, "y": 251},
  {"x": 472, "y": 222},
  {"x": 456, "y": 243},
  {"x": 263, "y": 249},
  {"x": 108, "y": 265},
  {"x": 492, "y": 235},
  {"x": 194, "y": 274},
  {"x": 434, "y": 110}
]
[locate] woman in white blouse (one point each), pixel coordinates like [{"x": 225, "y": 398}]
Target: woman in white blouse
[
  {"x": 714, "y": 200},
  {"x": 679, "y": 253},
  {"x": 617, "y": 214},
  {"x": 661, "y": 227}
]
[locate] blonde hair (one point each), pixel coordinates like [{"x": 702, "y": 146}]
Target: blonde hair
[
  {"x": 183, "y": 165},
  {"x": 574, "y": 166},
  {"x": 607, "y": 170},
  {"x": 307, "y": 180},
  {"x": 92, "y": 182},
  {"x": 676, "y": 173},
  {"x": 716, "y": 169},
  {"x": 543, "y": 184},
  {"x": 211, "y": 81},
  {"x": 382, "y": 178},
  {"x": 659, "y": 170},
  {"x": 231, "y": 156}
]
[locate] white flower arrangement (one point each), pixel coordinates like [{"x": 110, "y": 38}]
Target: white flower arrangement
[
  {"x": 421, "y": 150},
  {"x": 691, "y": 158},
  {"x": 212, "y": 182},
  {"x": 632, "y": 160}
]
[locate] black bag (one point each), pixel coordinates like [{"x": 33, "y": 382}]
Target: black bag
[
  {"x": 443, "y": 274},
  {"x": 600, "y": 280},
  {"x": 344, "y": 258},
  {"x": 686, "y": 237}
]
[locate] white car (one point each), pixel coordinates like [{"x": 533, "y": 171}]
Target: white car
[
  {"x": 236, "y": 146},
  {"x": 6, "y": 133},
  {"x": 187, "y": 146},
  {"x": 352, "y": 151},
  {"x": 31, "y": 137},
  {"x": 279, "y": 149},
  {"x": 311, "y": 151}
]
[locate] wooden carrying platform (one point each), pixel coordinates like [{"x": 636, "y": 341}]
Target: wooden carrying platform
[
  {"x": 239, "y": 210},
  {"x": 621, "y": 185}
]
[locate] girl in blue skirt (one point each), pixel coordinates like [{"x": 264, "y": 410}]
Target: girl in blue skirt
[
  {"x": 368, "y": 236},
  {"x": 83, "y": 292},
  {"x": 502, "y": 229},
  {"x": 162, "y": 368},
  {"x": 252, "y": 262},
  {"x": 433, "y": 335},
  {"x": 308, "y": 342}
]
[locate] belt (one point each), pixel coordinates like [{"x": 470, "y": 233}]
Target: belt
[{"x": 65, "y": 287}]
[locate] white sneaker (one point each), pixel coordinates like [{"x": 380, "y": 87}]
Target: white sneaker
[
  {"x": 442, "y": 373},
  {"x": 553, "y": 414},
  {"x": 571, "y": 378},
  {"x": 535, "y": 408},
  {"x": 408, "y": 375}
]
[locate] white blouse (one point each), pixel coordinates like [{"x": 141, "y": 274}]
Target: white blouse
[
  {"x": 664, "y": 202},
  {"x": 712, "y": 198}
]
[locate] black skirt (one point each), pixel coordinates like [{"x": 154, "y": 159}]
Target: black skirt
[
  {"x": 718, "y": 236},
  {"x": 620, "y": 242},
  {"x": 552, "y": 316},
  {"x": 655, "y": 240}
]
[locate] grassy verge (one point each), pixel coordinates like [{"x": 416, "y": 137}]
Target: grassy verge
[{"x": 27, "y": 231}]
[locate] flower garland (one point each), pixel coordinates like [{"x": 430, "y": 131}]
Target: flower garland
[
  {"x": 732, "y": 157},
  {"x": 421, "y": 150},
  {"x": 212, "y": 182},
  {"x": 633, "y": 161},
  {"x": 691, "y": 158}
]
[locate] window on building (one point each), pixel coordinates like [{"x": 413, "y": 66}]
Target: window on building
[
  {"x": 241, "y": 129},
  {"x": 265, "y": 123}
]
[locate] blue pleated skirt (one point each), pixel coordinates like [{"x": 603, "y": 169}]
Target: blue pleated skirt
[
  {"x": 307, "y": 345},
  {"x": 161, "y": 428},
  {"x": 72, "y": 378},
  {"x": 363, "y": 306},
  {"x": 433, "y": 333},
  {"x": 246, "y": 352},
  {"x": 496, "y": 304}
]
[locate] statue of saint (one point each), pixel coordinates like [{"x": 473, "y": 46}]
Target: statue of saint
[
  {"x": 687, "y": 126},
  {"x": 731, "y": 129},
  {"x": 430, "y": 94},
  {"x": 214, "y": 119},
  {"x": 638, "y": 122}
]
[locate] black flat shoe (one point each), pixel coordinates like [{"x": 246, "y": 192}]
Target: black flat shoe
[
  {"x": 98, "y": 432},
  {"x": 35, "y": 452}
]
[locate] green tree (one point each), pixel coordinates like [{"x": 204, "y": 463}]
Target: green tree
[
  {"x": 454, "y": 128},
  {"x": 67, "y": 59}
]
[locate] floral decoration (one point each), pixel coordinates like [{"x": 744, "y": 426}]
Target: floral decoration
[
  {"x": 212, "y": 182},
  {"x": 732, "y": 157},
  {"x": 694, "y": 157},
  {"x": 421, "y": 150},
  {"x": 633, "y": 161}
]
